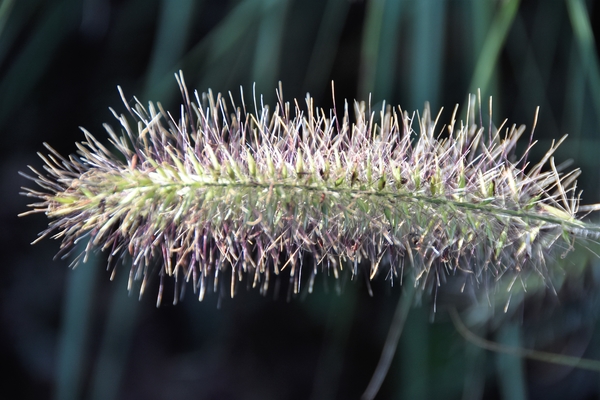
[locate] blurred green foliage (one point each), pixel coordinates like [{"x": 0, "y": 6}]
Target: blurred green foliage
[{"x": 60, "y": 62}]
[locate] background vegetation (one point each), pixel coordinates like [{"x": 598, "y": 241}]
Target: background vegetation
[{"x": 73, "y": 334}]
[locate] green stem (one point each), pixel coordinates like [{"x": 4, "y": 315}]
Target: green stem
[
  {"x": 391, "y": 342},
  {"x": 592, "y": 365},
  {"x": 484, "y": 205}
]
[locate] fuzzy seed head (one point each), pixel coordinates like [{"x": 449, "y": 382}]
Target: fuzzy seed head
[{"x": 223, "y": 190}]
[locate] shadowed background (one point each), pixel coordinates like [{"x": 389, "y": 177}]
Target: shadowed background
[{"x": 74, "y": 334}]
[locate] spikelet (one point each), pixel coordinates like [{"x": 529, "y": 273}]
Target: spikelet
[{"x": 224, "y": 190}]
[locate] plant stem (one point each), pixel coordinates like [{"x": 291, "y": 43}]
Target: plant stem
[{"x": 391, "y": 342}]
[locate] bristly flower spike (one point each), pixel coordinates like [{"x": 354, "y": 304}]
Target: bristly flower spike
[{"x": 225, "y": 190}]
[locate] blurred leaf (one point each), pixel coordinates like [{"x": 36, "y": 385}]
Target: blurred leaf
[
  {"x": 118, "y": 334},
  {"x": 175, "y": 20},
  {"x": 5, "y": 9},
  {"x": 580, "y": 21},
  {"x": 427, "y": 47},
  {"x": 30, "y": 64},
  {"x": 207, "y": 56},
  {"x": 324, "y": 51},
  {"x": 510, "y": 374},
  {"x": 370, "y": 47},
  {"x": 268, "y": 49},
  {"x": 492, "y": 46},
  {"x": 74, "y": 337}
]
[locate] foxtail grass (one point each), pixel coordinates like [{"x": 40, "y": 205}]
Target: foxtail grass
[{"x": 241, "y": 192}]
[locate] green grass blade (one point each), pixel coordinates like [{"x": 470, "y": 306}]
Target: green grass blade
[
  {"x": 268, "y": 49},
  {"x": 74, "y": 332},
  {"x": 580, "y": 21},
  {"x": 493, "y": 44},
  {"x": 323, "y": 53},
  {"x": 427, "y": 52},
  {"x": 175, "y": 20}
]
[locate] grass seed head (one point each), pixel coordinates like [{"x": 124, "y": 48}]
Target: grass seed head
[{"x": 224, "y": 189}]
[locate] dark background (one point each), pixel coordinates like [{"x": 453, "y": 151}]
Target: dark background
[{"x": 74, "y": 334}]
